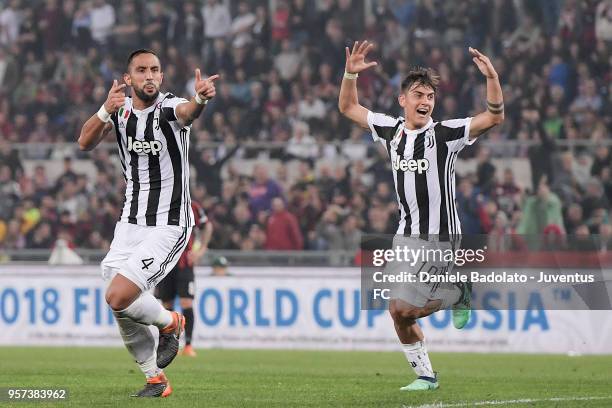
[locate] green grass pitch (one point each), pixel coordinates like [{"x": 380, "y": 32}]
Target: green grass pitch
[{"x": 105, "y": 377}]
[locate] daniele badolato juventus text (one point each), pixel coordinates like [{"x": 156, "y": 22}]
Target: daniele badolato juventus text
[{"x": 422, "y": 276}]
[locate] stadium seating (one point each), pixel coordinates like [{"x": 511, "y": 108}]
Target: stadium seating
[{"x": 279, "y": 80}]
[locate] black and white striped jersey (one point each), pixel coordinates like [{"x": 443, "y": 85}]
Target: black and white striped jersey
[
  {"x": 153, "y": 148},
  {"x": 423, "y": 164}
]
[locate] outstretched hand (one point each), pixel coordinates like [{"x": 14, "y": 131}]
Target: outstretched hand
[
  {"x": 483, "y": 63},
  {"x": 115, "y": 98},
  {"x": 205, "y": 88},
  {"x": 355, "y": 59}
]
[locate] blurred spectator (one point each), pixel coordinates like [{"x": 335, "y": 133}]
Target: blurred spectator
[
  {"x": 302, "y": 145},
  {"x": 525, "y": 36},
  {"x": 41, "y": 237},
  {"x": 126, "y": 32},
  {"x": 10, "y": 20},
  {"x": 10, "y": 192},
  {"x": 13, "y": 238},
  {"x": 594, "y": 198},
  {"x": 574, "y": 218},
  {"x": 605, "y": 237},
  {"x": 217, "y": 22},
  {"x": 603, "y": 159},
  {"x": 351, "y": 234},
  {"x": 603, "y": 20},
  {"x": 282, "y": 231},
  {"x": 469, "y": 202},
  {"x": 208, "y": 169},
  {"x": 287, "y": 61},
  {"x": 485, "y": 172},
  {"x": 102, "y": 16},
  {"x": 188, "y": 35},
  {"x": 11, "y": 158},
  {"x": 9, "y": 72},
  {"x": 219, "y": 266},
  {"x": 507, "y": 194},
  {"x": 242, "y": 24},
  {"x": 280, "y": 25},
  {"x": 501, "y": 236},
  {"x": 541, "y": 211},
  {"x": 262, "y": 190},
  {"x": 355, "y": 149},
  {"x": 68, "y": 176}
]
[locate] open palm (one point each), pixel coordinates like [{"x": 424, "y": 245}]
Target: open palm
[
  {"x": 355, "y": 59},
  {"x": 483, "y": 63}
]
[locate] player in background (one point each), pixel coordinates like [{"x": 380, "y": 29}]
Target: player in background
[
  {"x": 181, "y": 279},
  {"x": 152, "y": 132},
  {"x": 423, "y": 155},
  {"x": 219, "y": 266}
]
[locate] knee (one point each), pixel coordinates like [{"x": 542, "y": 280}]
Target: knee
[
  {"x": 405, "y": 316},
  {"x": 115, "y": 300}
]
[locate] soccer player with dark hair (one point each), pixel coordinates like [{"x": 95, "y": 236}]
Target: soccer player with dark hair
[
  {"x": 423, "y": 155},
  {"x": 181, "y": 279},
  {"x": 152, "y": 132}
]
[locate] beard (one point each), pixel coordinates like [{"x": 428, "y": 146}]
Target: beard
[{"x": 145, "y": 97}]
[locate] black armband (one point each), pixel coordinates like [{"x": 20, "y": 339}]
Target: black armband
[{"x": 495, "y": 108}]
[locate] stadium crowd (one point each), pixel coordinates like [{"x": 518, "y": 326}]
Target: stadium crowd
[{"x": 280, "y": 65}]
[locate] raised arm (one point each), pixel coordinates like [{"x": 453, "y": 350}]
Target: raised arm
[
  {"x": 348, "y": 103},
  {"x": 494, "y": 115},
  {"x": 99, "y": 125},
  {"x": 187, "y": 112}
]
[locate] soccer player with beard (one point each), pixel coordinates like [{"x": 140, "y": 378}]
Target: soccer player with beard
[
  {"x": 423, "y": 155},
  {"x": 152, "y": 132}
]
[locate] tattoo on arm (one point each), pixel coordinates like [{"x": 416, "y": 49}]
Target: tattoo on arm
[
  {"x": 191, "y": 116},
  {"x": 107, "y": 128}
]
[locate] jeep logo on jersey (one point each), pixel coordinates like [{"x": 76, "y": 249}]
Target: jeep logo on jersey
[
  {"x": 144, "y": 147},
  {"x": 418, "y": 165}
]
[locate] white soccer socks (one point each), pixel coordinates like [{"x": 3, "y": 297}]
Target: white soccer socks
[
  {"x": 147, "y": 310},
  {"x": 134, "y": 322},
  {"x": 139, "y": 341},
  {"x": 417, "y": 356}
]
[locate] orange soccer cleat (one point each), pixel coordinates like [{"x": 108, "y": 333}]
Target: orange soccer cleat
[
  {"x": 169, "y": 338},
  {"x": 189, "y": 351},
  {"x": 156, "y": 387}
]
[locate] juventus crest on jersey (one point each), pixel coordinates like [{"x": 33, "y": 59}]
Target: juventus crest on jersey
[
  {"x": 153, "y": 148},
  {"x": 423, "y": 163}
]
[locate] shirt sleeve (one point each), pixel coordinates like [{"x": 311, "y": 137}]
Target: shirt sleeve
[
  {"x": 455, "y": 133},
  {"x": 383, "y": 127},
  {"x": 169, "y": 107}
]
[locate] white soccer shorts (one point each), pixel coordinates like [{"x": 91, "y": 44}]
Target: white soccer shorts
[
  {"x": 144, "y": 254},
  {"x": 419, "y": 293}
]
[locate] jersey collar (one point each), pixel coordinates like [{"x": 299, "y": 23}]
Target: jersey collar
[
  {"x": 417, "y": 131},
  {"x": 160, "y": 98}
]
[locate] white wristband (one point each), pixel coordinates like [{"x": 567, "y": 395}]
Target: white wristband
[
  {"x": 349, "y": 75},
  {"x": 103, "y": 115},
  {"x": 200, "y": 101}
]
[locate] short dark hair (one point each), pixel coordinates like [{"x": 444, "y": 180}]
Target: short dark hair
[
  {"x": 136, "y": 53},
  {"x": 421, "y": 76}
]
